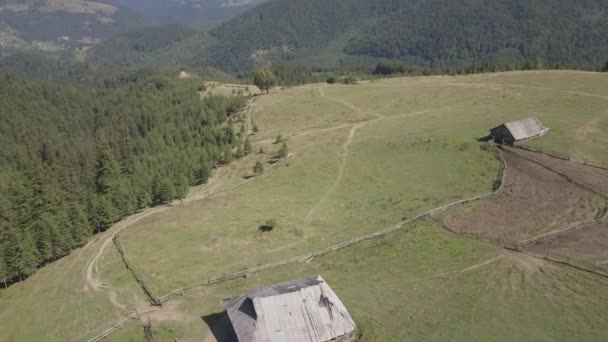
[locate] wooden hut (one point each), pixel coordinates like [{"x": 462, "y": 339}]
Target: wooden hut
[
  {"x": 305, "y": 310},
  {"x": 514, "y": 132}
]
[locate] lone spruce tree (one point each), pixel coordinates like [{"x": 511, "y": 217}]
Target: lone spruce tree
[
  {"x": 258, "y": 168},
  {"x": 283, "y": 151},
  {"x": 264, "y": 79}
]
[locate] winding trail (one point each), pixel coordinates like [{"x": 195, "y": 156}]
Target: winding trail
[
  {"x": 351, "y": 106},
  {"x": 467, "y": 269},
  {"x": 342, "y": 160},
  {"x": 478, "y": 85},
  {"x": 91, "y": 270}
]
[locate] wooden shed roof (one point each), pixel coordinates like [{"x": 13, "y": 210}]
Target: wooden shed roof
[
  {"x": 303, "y": 310},
  {"x": 526, "y": 128}
]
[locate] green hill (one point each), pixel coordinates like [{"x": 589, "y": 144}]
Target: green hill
[{"x": 424, "y": 33}]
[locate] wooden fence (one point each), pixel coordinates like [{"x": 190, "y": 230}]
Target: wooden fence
[
  {"x": 114, "y": 327},
  {"x": 138, "y": 277},
  {"x": 573, "y": 226},
  {"x": 149, "y": 334},
  {"x": 593, "y": 267},
  {"x": 562, "y": 156},
  {"x": 561, "y": 174}
]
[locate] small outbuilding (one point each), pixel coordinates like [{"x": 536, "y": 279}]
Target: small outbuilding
[
  {"x": 511, "y": 133},
  {"x": 305, "y": 310}
]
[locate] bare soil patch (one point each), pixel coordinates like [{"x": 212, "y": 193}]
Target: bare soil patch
[
  {"x": 593, "y": 177},
  {"x": 533, "y": 201},
  {"x": 589, "y": 244},
  {"x": 526, "y": 263},
  {"x": 171, "y": 311}
]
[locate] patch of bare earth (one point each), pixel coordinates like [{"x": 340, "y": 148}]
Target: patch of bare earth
[
  {"x": 589, "y": 244},
  {"x": 526, "y": 263},
  {"x": 533, "y": 200},
  {"x": 169, "y": 312},
  {"x": 593, "y": 177}
]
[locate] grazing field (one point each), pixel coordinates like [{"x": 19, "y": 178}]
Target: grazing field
[
  {"x": 363, "y": 158},
  {"x": 423, "y": 283}
]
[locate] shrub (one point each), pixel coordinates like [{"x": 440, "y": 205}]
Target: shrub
[
  {"x": 283, "y": 151},
  {"x": 349, "y": 80},
  {"x": 258, "y": 168},
  {"x": 268, "y": 226}
]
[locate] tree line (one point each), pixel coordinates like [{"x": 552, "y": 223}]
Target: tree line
[{"x": 75, "y": 159}]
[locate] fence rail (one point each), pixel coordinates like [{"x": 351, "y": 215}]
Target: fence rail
[
  {"x": 114, "y": 327},
  {"x": 593, "y": 267},
  {"x": 573, "y": 226},
  {"x": 562, "y": 157},
  {"x": 561, "y": 174},
  {"x": 138, "y": 277}
]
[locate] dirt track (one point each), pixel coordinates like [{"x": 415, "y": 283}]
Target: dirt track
[{"x": 534, "y": 200}]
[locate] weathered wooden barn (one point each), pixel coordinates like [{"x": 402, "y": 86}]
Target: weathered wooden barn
[
  {"x": 305, "y": 310},
  {"x": 511, "y": 133}
]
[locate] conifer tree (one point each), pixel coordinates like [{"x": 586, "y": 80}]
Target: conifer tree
[
  {"x": 20, "y": 254},
  {"x": 104, "y": 213},
  {"x": 80, "y": 228},
  {"x": 248, "y": 147},
  {"x": 283, "y": 151},
  {"x": 107, "y": 170},
  {"x": 3, "y": 268},
  {"x": 258, "y": 168}
]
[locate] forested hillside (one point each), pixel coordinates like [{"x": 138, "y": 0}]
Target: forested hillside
[
  {"x": 77, "y": 157},
  {"x": 429, "y": 33},
  {"x": 164, "y": 45}
]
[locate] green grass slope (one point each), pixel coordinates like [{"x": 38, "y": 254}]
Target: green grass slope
[{"x": 364, "y": 157}]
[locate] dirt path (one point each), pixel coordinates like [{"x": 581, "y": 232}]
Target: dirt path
[
  {"x": 353, "y": 107},
  {"x": 91, "y": 273},
  {"x": 92, "y": 279},
  {"x": 342, "y": 160},
  {"x": 573, "y": 92},
  {"x": 473, "y": 84},
  {"x": 467, "y": 269},
  {"x": 274, "y": 103}
]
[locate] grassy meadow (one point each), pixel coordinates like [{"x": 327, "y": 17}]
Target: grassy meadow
[
  {"x": 423, "y": 283},
  {"x": 363, "y": 158}
]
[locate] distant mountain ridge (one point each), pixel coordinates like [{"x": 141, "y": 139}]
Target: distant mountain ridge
[
  {"x": 435, "y": 33},
  {"x": 194, "y": 13},
  {"x": 66, "y": 26},
  {"x": 57, "y": 25}
]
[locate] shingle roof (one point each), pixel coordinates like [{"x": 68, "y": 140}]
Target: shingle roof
[
  {"x": 303, "y": 310},
  {"x": 526, "y": 129}
]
